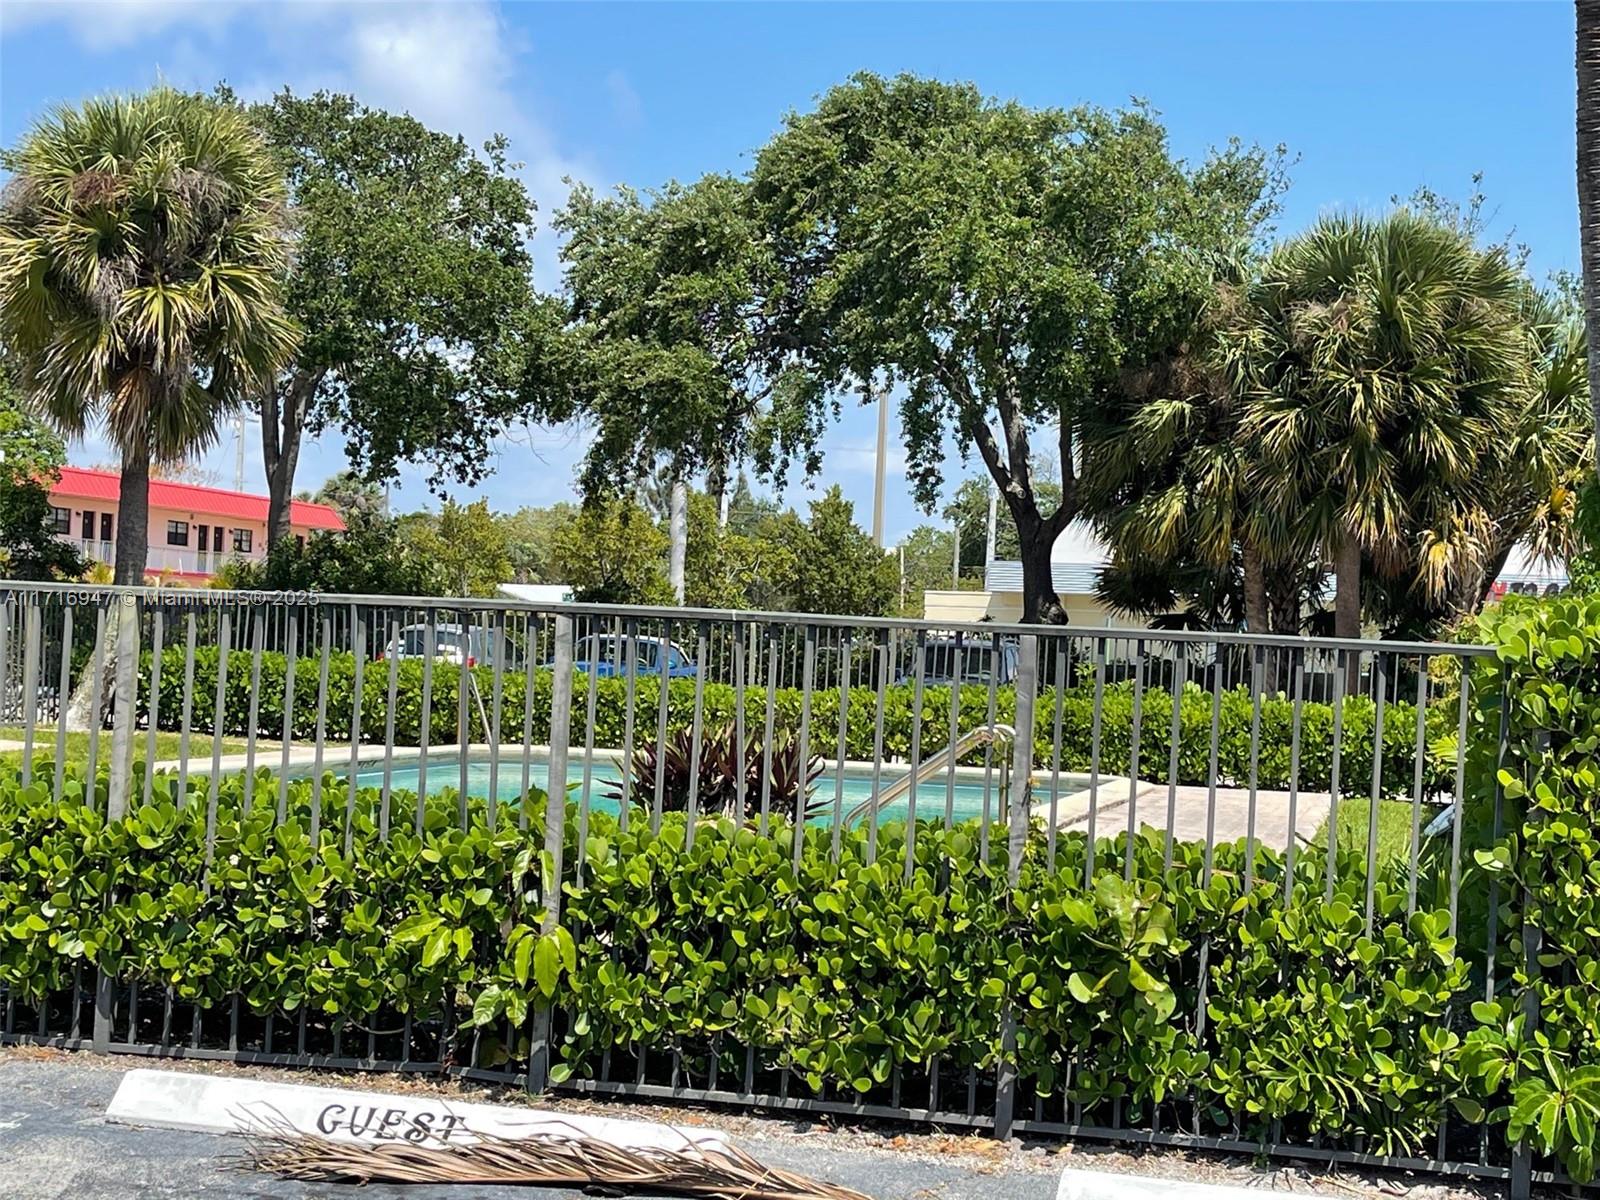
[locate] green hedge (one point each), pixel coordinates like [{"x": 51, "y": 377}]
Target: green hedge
[
  {"x": 1399, "y": 740},
  {"x": 1546, "y": 868},
  {"x": 837, "y": 973}
]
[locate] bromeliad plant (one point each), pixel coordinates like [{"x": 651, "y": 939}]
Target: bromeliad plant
[{"x": 772, "y": 781}]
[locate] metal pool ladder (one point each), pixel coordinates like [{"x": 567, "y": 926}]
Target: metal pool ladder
[{"x": 984, "y": 735}]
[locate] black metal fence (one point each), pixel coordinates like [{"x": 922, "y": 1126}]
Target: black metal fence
[{"x": 1032, "y": 732}]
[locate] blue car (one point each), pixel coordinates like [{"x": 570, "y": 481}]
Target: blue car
[{"x": 606, "y": 656}]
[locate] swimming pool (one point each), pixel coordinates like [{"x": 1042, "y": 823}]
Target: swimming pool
[{"x": 970, "y": 792}]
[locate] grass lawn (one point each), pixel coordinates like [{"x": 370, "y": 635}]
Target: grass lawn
[
  {"x": 1394, "y": 826},
  {"x": 44, "y": 745}
]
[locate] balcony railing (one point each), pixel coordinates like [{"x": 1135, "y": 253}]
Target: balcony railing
[{"x": 179, "y": 559}]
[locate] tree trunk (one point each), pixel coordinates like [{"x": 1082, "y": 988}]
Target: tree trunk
[
  {"x": 678, "y": 532},
  {"x": 1588, "y": 127},
  {"x": 1347, "y": 605},
  {"x": 717, "y": 489},
  {"x": 1256, "y": 612},
  {"x": 283, "y": 420},
  {"x": 133, "y": 516},
  {"x": 1041, "y": 605},
  {"x": 1347, "y": 590}
]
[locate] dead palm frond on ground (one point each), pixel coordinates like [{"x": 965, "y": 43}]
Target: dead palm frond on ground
[{"x": 571, "y": 1158}]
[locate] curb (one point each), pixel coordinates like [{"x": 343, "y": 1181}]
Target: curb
[{"x": 1078, "y": 1184}]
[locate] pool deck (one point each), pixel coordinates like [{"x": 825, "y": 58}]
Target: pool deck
[{"x": 1225, "y": 813}]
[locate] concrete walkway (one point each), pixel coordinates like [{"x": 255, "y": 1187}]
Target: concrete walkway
[{"x": 1193, "y": 811}]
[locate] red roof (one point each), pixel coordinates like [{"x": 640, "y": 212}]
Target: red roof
[{"x": 81, "y": 483}]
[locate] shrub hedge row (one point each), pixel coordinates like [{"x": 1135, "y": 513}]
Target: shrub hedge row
[
  {"x": 1077, "y": 712},
  {"x": 838, "y": 972},
  {"x": 1291, "y": 1018}
]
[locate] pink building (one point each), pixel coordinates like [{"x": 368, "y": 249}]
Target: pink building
[{"x": 193, "y": 529}]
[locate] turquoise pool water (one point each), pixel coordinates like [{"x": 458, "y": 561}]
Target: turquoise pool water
[{"x": 444, "y": 772}]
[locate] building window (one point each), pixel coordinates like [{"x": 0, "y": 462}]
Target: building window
[
  {"x": 300, "y": 541},
  {"x": 201, "y": 541},
  {"x": 61, "y": 520},
  {"x": 88, "y": 525},
  {"x": 241, "y": 541},
  {"x": 216, "y": 538},
  {"x": 177, "y": 533},
  {"x": 105, "y": 527}
]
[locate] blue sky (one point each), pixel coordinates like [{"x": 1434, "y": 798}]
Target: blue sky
[{"x": 1374, "y": 100}]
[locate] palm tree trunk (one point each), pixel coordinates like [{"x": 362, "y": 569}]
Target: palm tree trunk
[
  {"x": 1588, "y": 126},
  {"x": 133, "y": 516},
  {"x": 1256, "y": 618},
  {"x": 1347, "y": 605}
]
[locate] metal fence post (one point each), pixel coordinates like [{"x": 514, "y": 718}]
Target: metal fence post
[
  {"x": 1532, "y": 943},
  {"x": 1018, "y": 814},
  {"x": 555, "y": 819},
  {"x": 127, "y": 704}
]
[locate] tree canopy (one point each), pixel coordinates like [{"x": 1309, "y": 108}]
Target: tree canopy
[
  {"x": 412, "y": 279},
  {"x": 1003, "y": 265}
]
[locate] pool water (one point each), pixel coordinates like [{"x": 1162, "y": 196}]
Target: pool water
[{"x": 444, "y": 772}]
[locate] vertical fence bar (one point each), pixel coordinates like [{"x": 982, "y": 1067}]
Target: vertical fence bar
[
  {"x": 842, "y": 754},
  {"x": 430, "y": 644},
  {"x": 555, "y": 817},
  {"x": 63, "y": 689},
  {"x": 97, "y": 664},
  {"x": 920, "y": 677},
  {"x": 663, "y": 653},
  {"x": 807, "y": 685},
  {"x": 1212, "y": 764},
  {"x": 741, "y": 747},
  {"x": 882, "y": 654},
  {"x": 321, "y": 735},
  {"x": 1460, "y": 793},
  {"x": 1339, "y": 672},
  {"x": 1180, "y": 667},
  {"x": 629, "y": 705},
  {"x": 593, "y": 673},
  {"x": 530, "y": 685},
  {"x": 358, "y": 647},
  {"x": 1096, "y": 725},
  {"x": 1257, "y": 684},
  {"x": 190, "y": 640},
  {"x": 1018, "y": 814},
  {"x": 958, "y": 669},
  {"x": 153, "y": 715},
  {"x": 127, "y": 697},
  {"x": 1416, "y": 787},
  {"x": 31, "y": 637},
  {"x": 1133, "y": 757},
  {"x": 1059, "y": 693},
  {"x": 218, "y": 721},
  {"x": 1298, "y": 661},
  {"x": 466, "y": 682},
  {"x": 290, "y": 658},
  {"x": 497, "y": 651},
  {"x": 258, "y": 633},
  {"x": 391, "y": 651},
  {"x": 766, "y": 742},
  {"x": 1380, "y": 682}
]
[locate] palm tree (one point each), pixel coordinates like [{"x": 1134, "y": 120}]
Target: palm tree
[
  {"x": 1381, "y": 360},
  {"x": 1588, "y": 56},
  {"x": 143, "y": 245}
]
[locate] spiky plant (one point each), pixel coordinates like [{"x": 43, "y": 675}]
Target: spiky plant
[
  {"x": 143, "y": 244},
  {"x": 720, "y": 766}
]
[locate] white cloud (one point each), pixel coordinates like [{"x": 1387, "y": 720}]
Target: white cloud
[
  {"x": 625, "y": 103},
  {"x": 111, "y": 24}
]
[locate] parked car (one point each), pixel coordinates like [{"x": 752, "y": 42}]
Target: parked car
[
  {"x": 451, "y": 643},
  {"x": 974, "y": 663},
  {"x": 606, "y": 655}
]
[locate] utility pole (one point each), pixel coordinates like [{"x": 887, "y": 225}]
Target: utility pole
[
  {"x": 955, "y": 555},
  {"x": 238, "y": 463},
  {"x": 881, "y": 466},
  {"x": 988, "y": 540}
]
